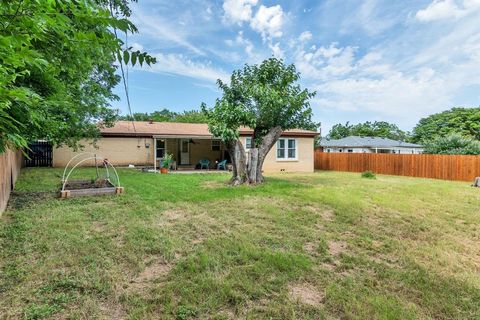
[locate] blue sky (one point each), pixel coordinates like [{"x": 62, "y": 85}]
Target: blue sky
[{"x": 368, "y": 60}]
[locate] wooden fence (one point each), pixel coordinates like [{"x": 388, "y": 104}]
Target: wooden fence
[
  {"x": 10, "y": 164},
  {"x": 447, "y": 167}
]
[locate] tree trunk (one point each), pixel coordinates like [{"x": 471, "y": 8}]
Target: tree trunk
[
  {"x": 251, "y": 171},
  {"x": 239, "y": 163}
]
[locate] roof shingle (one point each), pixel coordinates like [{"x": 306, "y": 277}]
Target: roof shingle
[{"x": 147, "y": 128}]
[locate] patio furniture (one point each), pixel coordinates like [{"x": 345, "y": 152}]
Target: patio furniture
[
  {"x": 222, "y": 165},
  {"x": 204, "y": 163}
]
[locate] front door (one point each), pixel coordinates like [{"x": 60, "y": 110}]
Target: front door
[{"x": 184, "y": 151}]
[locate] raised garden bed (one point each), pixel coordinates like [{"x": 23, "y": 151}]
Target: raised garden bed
[{"x": 79, "y": 188}]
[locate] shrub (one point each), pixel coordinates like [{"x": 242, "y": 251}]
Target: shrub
[{"x": 369, "y": 175}]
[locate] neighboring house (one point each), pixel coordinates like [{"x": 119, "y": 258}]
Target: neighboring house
[
  {"x": 355, "y": 144},
  {"x": 145, "y": 142}
]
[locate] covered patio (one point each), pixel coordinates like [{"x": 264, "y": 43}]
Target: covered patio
[{"x": 190, "y": 153}]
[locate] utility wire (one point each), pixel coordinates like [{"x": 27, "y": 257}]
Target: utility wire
[{"x": 125, "y": 79}]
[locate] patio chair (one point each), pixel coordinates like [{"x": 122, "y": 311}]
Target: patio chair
[
  {"x": 204, "y": 163},
  {"x": 222, "y": 165}
]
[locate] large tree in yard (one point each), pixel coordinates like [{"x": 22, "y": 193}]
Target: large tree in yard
[{"x": 265, "y": 98}]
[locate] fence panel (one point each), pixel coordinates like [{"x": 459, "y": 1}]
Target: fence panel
[
  {"x": 10, "y": 164},
  {"x": 446, "y": 167}
]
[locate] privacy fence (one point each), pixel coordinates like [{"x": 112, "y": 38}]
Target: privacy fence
[
  {"x": 447, "y": 167},
  {"x": 10, "y": 164}
]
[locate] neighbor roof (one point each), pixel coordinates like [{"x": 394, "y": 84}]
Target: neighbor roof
[
  {"x": 148, "y": 129},
  {"x": 370, "y": 142}
]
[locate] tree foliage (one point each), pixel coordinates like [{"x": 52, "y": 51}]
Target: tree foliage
[
  {"x": 263, "y": 97},
  {"x": 463, "y": 121},
  {"x": 57, "y": 68},
  {"x": 453, "y": 144},
  {"x": 380, "y": 129},
  {"x": 165, "y": 115}
]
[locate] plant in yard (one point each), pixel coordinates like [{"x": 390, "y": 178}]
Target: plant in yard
[
  {"x": 265, "y": 98},
  {"x": 369, "y": 174},
  {"x": 167, "y": 160}
]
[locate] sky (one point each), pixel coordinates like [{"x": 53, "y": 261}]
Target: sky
[{"x": 371, "y": 60}]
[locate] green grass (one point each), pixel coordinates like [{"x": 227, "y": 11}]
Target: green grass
[{"x": 312, "y": 246}]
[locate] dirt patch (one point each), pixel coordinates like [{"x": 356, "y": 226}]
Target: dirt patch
[
  {"x": 157, "y": 268},
  {"x": 112, "y": 310},
  {"x": 306, "y": 294},
  {"x": 212, "y": 184},
  {"x": 24, "y": 199},
  {"x": 98, "y": 226},
  {"x": 310, "y": 247},
  {"x": 325, "y": 214},
  {"x": 336, "y": 247}
]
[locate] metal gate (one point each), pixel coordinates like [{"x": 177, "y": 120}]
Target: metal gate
[{"x": 39, "y": 154}]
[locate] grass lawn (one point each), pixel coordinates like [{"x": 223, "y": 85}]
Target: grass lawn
[{"x": 312, "y": 246}]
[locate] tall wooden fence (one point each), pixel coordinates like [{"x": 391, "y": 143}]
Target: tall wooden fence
[
  {"x": 10, "y": 164},
  {"x": 447, "y": 167}
]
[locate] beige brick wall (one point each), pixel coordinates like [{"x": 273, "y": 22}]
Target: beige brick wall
[
  {"x": 304, "y": 162},
  {"x": 119, "y": 151},
  {"x": 125, "y": 151}
]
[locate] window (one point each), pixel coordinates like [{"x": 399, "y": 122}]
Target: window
[
  {"x": 215, "y": 145},
  {"x": 350, "y": 150},
  {"x": 161, "y": 148},
  {"x": 248, "y": 143},
  {"x": 287, "y": 149},
  {"x": 328, "y": 150}
]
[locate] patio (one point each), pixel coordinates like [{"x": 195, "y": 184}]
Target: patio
[{"x": 190, "y": 154}]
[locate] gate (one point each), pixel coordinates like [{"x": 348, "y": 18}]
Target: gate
[{"x": 39, "y": 154}]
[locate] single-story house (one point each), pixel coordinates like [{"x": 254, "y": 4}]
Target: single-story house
[
  {"x": 356, "y": 144},
  {"x": 143, "y": 143}
]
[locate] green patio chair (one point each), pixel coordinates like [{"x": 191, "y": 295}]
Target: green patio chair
[
  {"x": 222, "y": 165},
  {"x": 204, "y": 163}
]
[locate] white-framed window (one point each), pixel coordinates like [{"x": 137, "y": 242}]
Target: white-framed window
[
  {"x": 350, "y": 150},
  {"x": 216, "y": 145},
  {"x": 248, "y": 143},
  {"x": 161, "y": 148},
  {"x": 329, "y": 150},
  {"x": 287, "y": 149}
]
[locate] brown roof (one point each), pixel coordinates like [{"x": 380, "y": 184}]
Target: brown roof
[{"x": 146, "y": 129}]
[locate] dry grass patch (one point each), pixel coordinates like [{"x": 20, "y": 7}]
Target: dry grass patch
[
  {"x": 156, "y": 269},
  {"x": 307, "y": 294},
  {"x": 336, "y": 247}
]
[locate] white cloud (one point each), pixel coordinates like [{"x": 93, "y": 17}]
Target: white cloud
[
  {"x": 277, "y": 51},
  {"x": 268, "y": 21},
  {"x": 447, "y": 9},
  {"x": 178, "y": 64},
  {"x": 241, "y": 41},
  {"x": 305, "y": 36},
  {"x": 162, "y": 30},
  {"x": 238, "y": 11}
]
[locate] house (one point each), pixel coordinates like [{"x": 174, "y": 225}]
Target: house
[
  {"x": 143, "y": 143},
  {"x": 356, "y": 144}
]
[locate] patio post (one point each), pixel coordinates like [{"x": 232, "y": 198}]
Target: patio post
[{"x": 155, "y": 154}]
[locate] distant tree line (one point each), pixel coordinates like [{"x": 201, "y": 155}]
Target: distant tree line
[
  {"x": 165, "y": 115},
  {"x": 455, "y": 131}
]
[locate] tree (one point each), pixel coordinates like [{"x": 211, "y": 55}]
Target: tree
[
  {"x": 464, "y": 121},
  {"x": 58, "y": 68},
  {"x": 453, "y": 144},
  {"x": 381, "y": 129},
  {"x": 267, "y": 99},
  {"x": 165, "y": 115}
]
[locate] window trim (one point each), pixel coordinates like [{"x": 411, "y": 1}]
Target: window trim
[
  {"x": 246, "y": 144},
  {"x": 219, "y": 145},
  {"x": 286, "y": 159},
  {"x": 157, "y": 148}
]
